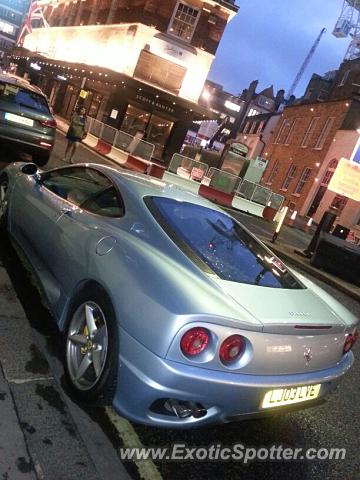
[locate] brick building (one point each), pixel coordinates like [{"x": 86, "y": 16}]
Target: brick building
[
  {"x": 303, "y": 153},
  {"x": 144, "y": 63}
]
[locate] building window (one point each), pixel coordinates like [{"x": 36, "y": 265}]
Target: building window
[
  {"x": 247, "y": 127},
  {"x": 322, "y": 96},
  {"x": 273, "y": 172},
  {"x": 260, "y": 128},
  {"x": 330, "y": 172},
  {"x": 304, "y": 177},
  {"x": 253, "y": 127},
  {"x": 309, "y": 132},
  {"x": 324, "y": 133},
  {"x": 290, "y": 133},
  {"x": 253, "y": 112},
  {"x": 288, "y": 177},
  {"x": 184, "y": 21},
  {"x": 339, "y": 202},
  {"x": 280, "y": 131}
]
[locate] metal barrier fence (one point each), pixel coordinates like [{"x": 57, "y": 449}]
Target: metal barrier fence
[
  {"x": 223, "y": 181},
  {"x": 187, "y": 167},
  {"x": 123, "y": 141},
  {"x": 254, "y": 192},
  {"x": 276, "y": 201}
]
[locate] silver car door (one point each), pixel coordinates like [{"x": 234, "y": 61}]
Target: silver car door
[{"x": 82, "y": 229}]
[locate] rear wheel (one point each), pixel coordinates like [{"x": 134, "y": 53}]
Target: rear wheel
[
  {"x": 91, "y": 354},
  {"x": 4, "y": 185}
]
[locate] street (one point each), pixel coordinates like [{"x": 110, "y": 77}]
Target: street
[{"x": 333, "y": 424}]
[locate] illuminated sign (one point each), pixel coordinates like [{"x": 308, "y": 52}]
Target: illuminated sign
[
  {"x": 346, "y": 180},
  {"x": 155, "y": 103},
  {"x": 171, "y": 51},
  {"x": 7, "y": 28},
  {"x": 232, "y": 106},
  {"x": 239, "y": 149}
]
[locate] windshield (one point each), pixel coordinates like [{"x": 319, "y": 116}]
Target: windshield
[
  {"x": 221, "y": 244},
  {"x": 25, "y": 98}
]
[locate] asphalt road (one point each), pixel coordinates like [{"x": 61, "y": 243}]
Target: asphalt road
[{"x": 334, "y": 424}]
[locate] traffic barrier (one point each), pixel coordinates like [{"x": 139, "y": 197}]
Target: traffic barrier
[
  {"x": 216, "y": 196},
  {"x": 102, "y": 147},
  {"x": 269, "y": 213}
]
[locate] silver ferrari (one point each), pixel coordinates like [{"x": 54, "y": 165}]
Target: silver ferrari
[{"x": 171, "y": 310}]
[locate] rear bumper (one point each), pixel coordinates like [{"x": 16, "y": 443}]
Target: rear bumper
[
  {"x": 26, "y": 141},
  {"x": 145, "y": 378}
]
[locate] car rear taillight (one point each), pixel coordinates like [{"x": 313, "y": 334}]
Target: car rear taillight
[
  {"x": 48, "y": 123},
  {"x": 45, "y": 144},
  {"x": 194, "y": 341},
  {"x": 232, "y": 348},
  {"x": 350, "y": 340}
]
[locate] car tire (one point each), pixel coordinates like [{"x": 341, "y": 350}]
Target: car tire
[
  {"x": 41, "y": 159},
  {"x": 92, "y": 347},
  {"x": 4, "y": 184}
]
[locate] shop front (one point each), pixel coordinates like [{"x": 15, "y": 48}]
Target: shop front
[{"x": 123, "y": 102}]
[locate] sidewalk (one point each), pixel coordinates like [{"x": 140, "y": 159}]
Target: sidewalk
[
  {"x": 38, "y": 436},
  {"x": 44, "y": 435}
]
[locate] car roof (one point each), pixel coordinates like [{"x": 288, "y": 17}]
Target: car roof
[
  {"x": 140, "y": 185},
  {"x": 20, "y": 82}
]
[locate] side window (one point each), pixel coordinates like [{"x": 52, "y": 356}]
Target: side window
[
  {"x": 85, "y": 188},
  {"x": 105, "y": 203}
]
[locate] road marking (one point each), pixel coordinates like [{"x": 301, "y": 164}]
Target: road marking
[{"x": 147, "y": 468}]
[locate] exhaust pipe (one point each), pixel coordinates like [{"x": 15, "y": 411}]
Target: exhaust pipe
[{"x": 185, "y": 409}]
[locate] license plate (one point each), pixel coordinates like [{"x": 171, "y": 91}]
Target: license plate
[
  {"x": 289, "y": 396},
  {"x": 17, "y": 119}
]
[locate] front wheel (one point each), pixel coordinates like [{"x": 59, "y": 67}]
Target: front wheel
[
  {"x": 4, "y": 186},
  {"x": 91, "y": 354}
]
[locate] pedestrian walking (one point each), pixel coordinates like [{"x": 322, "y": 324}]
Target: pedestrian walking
[{"x": 76, "y": 133}]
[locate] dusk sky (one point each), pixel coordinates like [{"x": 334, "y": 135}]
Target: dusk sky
[{"x": 269, "y": 39}]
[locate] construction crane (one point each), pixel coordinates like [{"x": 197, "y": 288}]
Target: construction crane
[
  {"x": 305, "y": 64},
  {"x": 348, "y": 24}
]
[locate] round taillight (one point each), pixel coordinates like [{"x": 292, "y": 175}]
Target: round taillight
[
  {"x": 232, "y": 348},
  {"x": 194, "y": 341},
  {"x": 350, "y": 340}
]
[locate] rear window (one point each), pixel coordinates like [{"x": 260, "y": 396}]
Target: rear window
[
  {"x": 22, "y": 97},
  {"x": 219, "y": 244}
]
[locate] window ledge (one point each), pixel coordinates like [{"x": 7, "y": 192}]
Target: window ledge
[
  {"x": 284, "y": 189},
  {"x": 296, "y": 194}
]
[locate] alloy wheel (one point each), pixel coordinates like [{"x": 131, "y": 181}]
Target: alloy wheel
[{"x": 87, "y": 346}]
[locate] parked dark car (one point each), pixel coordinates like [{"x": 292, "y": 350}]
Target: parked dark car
[
  {"x": 337, "y": 256},
  {"x": 25, "y": 118}
]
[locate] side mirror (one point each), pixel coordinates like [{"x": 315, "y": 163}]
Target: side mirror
[{"x": 29, "y": 169}]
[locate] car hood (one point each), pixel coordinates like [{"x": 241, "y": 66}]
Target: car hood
[{"x": 278, "y": 306}]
